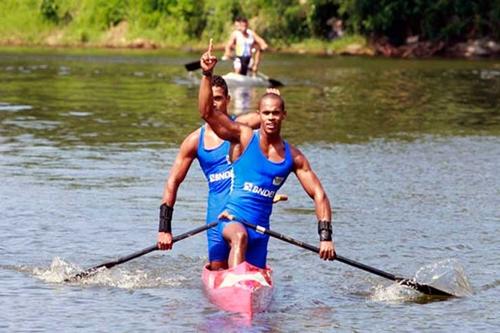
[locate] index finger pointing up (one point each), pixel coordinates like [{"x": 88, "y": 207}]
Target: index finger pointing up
[{"x": 210, "y": 47}]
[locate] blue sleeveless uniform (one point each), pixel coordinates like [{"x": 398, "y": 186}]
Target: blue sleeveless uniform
[
  {"x": 256, "y": 181},
  {"x": 219, "y": 173}
]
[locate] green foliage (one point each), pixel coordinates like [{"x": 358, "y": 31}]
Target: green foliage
[
  {"x": 49, "y": 8},
  {"x": 278, "y": 21},
  {"x": 219, "y": 16},
  {"x": 321, "y": 12},
  {"x": 447, "y": 20},
  {"x": 112, "y": 12}
]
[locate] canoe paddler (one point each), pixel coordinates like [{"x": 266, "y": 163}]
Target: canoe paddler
[
  {"x": 247, "y": 46},
  {"x": 262, "y": 161},
  {"x": 211, "y": 152}
]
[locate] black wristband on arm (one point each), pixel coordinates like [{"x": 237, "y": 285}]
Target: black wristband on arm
[
  {"x": 206, "y": 73},
  {"x": 165, "y": 218},
  {"x": 325, "y": 230}
]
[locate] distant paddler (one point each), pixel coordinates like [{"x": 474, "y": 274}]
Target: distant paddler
[
  {"x": 262, "y": 161},
  {"x": 247, "y": 46}
]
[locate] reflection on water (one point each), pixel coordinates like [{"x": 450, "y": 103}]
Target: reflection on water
[
  {"x": 242, "y": 99},
  {"x": 138, "y": 99}
]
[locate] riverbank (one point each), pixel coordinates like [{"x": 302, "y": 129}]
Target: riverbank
[
  {"x": 354, "y": 45},
  {"x": 298, "y": 27},
  {"x": 118, "y": 37}
]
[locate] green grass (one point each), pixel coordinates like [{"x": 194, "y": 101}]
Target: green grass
[
  {"x": 119, "y": 23},
  {"x": 335, "y": 46}
]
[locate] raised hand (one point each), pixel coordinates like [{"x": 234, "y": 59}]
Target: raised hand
[{"x": 208, "y": 61}]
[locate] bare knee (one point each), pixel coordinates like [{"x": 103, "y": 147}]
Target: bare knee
[
  {"x": 236, "y": 235},
  {"x": 239, "y": 238}
]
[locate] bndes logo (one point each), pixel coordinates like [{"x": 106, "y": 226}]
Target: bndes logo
[
  {"x": 215, "y": 177},
  {"x": 278, "y": 180},
  {"x": 249, "y": 187}
]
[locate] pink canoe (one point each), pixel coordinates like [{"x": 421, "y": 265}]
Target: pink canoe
[{"x": 245, "y": 288}]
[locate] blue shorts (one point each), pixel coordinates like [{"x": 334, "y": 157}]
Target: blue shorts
[{"x": 218, "y": 248}]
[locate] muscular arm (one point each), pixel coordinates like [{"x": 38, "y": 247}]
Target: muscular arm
[
  {"x": 313, "y": 187},
  {"x": 218, "y": 121},
  {"x": 260, "y": 41},
  {"x": 251, "y": 119},
  {"x": 230, "y": 45},
  {"x": 185, "y": 157},
  {"x": 261, "y": 45},
  {"x": 182, "y": 163}
]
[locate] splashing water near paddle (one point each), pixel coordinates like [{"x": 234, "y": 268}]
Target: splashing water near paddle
[
  {"x": 59, "y": 270},
  {"x": 447, "y": 275}
]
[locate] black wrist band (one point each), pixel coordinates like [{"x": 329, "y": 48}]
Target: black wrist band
[
  {"x": 325, "y": 230},
  {"x": 165, "y": 218},
  {"x": 206, "y": 73}
]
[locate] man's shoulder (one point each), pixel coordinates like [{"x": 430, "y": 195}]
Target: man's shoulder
[
  {"x": 297, "y": 155},
  {"x": 192, "y": 139}
]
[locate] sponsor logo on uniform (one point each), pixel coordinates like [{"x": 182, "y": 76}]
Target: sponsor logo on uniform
[
  {"x": 249, "y": 187},
  {"x": 215, "y": 177},
  {"x": 278, "y": 180}
]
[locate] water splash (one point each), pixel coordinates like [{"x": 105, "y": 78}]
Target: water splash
[
  {"x": 59, "y": 270},
  {"x": 447, "y": 275},
  {"x": 395, "y": 293}
]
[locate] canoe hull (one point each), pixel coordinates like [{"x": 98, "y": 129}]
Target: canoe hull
[
  {"x": 245, "y": 289},
  {"x": 238, "y": 80}
]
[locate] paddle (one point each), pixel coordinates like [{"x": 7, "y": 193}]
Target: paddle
[
  {"x": 192, "y": 66},
  {"x": 274, "y": 83},
  {"x": 93, "y": 270},
  {"x": 195, "y": 65},
  {"x": 426, "y": 289}
]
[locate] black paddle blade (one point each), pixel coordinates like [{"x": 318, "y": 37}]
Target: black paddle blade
[
  {"x": 192, "y": 66},
  {"x": 275, "y": 83},
  {"x": 82, "y": 275},
  {"x": 423, "y": 288}
]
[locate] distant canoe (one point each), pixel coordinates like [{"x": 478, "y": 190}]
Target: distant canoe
[
  {"x": 245, "y": 289},
  {"x": 238, "y": 80}
]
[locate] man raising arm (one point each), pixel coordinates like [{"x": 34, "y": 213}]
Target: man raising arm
[
  {"x": 262, "y": 161},
  {"x": 211, "y": 152}
]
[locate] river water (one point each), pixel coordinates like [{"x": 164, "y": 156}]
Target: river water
[{"x": 408, "y": 152}]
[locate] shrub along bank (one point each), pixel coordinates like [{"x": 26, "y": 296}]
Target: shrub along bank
[{"x": 389, "y": 27}]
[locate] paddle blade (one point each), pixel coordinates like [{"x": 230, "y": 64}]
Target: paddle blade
[
  {"x": 82, "y": 275},
  {"x": 272, "y": 82},
  {"x": 192, "y": 66},
  {"x": 275, "y": 83},
  {"x": 423, "y": 288}
]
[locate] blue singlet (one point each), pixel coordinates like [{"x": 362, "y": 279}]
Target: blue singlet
[
  {"x": 256, "y": 181},
  {"x": 219, "y": 173}
]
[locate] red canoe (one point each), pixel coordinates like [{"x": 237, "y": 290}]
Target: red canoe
[{"x": 245, "y": 288}]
